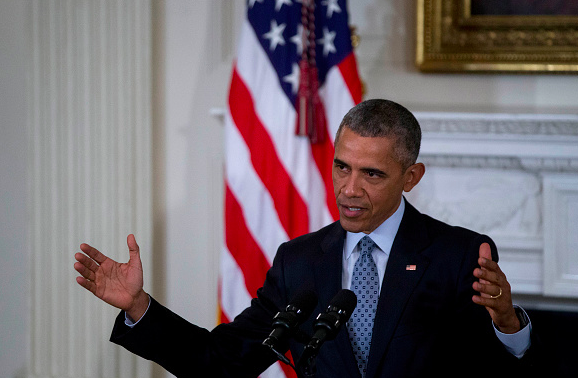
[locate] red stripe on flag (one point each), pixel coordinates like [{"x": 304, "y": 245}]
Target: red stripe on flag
[
  {"x": 289, "y": 372},
  {"x": 323, "y": 156},
  {"x": 242, "y": 246},
  {"x": 348, "y": 69},
  {"x": 291, "y": 208}
]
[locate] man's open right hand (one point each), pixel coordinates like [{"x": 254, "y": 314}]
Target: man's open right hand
[{"x": 118, "y": 284}]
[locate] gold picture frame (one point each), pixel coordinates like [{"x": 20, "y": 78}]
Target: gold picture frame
[{"x": 451, "y": 39}]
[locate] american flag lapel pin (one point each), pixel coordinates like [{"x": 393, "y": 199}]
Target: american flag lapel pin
[{"x": 410, "y": 267}]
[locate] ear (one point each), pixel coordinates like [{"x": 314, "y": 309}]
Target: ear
[{"x": 412, "y": 176}]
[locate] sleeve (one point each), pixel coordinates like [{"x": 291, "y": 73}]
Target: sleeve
[
  {"x": 130, "y": 321},
  {"x": 517, "y": 343},
  {"x": 185, "y": 350}
]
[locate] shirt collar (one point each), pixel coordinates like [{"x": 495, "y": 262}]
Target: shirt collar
[{"x": 382, "y": 236}]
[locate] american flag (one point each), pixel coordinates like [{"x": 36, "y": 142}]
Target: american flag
[{"x": 277, "y": 183}]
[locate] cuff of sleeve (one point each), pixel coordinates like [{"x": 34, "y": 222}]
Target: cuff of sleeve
[
  {"x": 128, "y": 321},
  {"x": 517, "y": 343}
]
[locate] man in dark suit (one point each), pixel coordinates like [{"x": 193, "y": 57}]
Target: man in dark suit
[{"x": 444, "y": 305}]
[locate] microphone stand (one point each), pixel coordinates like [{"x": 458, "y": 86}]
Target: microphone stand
[
  {"x": 280, "y": 356},
  {"x": 308, "y": 368}
]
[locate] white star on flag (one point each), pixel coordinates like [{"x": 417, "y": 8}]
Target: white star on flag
[
  {"x": 332, "y": 6},
  {"x": 275, "y": 35},
  {"x": 252, "y": 2},
  {"x": 297, "y": 39},
  {"x": 327, "y": 41},
  {"x": 293, "y": 78},
  {"x": 280, "y": 3}
]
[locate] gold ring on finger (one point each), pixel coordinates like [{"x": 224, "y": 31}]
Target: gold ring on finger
[{"x": 497, "y": 296}]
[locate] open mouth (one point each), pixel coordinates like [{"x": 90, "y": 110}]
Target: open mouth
[{"x": 351, "y": 211}]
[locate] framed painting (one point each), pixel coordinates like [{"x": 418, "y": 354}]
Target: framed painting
[{"x": 497, "y": 36}]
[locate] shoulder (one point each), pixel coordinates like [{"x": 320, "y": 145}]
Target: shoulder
[
  {"x": 439, "y": 229},
  {"x": 440, "y": 234},
  {"x": 311, "y": 247},
  {"x": 327, "y": 234}
]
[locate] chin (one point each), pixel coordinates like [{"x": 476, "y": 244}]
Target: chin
[{"x": 351, "y": 226}]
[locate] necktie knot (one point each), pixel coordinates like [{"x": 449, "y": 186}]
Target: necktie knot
[{"x": 366, "y": 245}]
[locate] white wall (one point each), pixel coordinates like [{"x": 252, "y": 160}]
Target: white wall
[
  {"x": 194, "y": 75},
  {"x": 13, "y": 173}
]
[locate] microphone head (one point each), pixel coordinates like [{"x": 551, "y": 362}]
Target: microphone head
[
  {"x": 328, "y": 323},
  {"x": 303, "y": 304},
  {"x": 343, "y": 303},
  {"x": 337, "y": 313}
]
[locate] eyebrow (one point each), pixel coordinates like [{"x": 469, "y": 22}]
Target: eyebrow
[
  {"x": 340, "y": 162},
  {"x": 363, "y": 169}
]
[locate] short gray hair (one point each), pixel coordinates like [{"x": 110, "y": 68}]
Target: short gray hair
[{"x": 384, "y": 118}]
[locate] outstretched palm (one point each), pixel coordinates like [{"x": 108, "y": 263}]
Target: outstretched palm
[{"x": 118, "y": 284}]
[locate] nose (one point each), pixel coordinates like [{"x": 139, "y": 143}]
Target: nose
[{"x": 352, "y": 187}]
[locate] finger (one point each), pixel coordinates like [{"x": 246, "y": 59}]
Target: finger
[
  {"x": 482, "y": 289},
  {"x": 489, "y": 265},
  {"x": 133, "y": 247},
  {"x": 93, "y": 253},
  {"x": 88, "y": 285},
  {"x": 489, "y": 290},
  {"x": 485, "y": 251},
  {"x": 86, "y": 261},
  {"x": 485, "y": 301},
  {"x": 134, "y": 252},
  {"x": 86, "y": 273},
  {"x": 487, "y": 276}
]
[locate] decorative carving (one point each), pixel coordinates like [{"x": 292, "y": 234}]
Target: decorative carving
[
  {"x": 499, "y": 124},
  {"x": 550, "y": 165},
  {"x": 547, "y": 132},
  {"x": 485, "y": 200},
  {"x": 462, "y": 161},
  {"x": 504, "y": 163}
]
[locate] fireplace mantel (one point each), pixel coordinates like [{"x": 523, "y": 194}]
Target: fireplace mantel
[{"x": 515, "y": 178}]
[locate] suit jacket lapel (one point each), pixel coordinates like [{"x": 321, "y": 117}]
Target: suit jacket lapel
[
  {"x": 328, "y": 273},
  {"x": 399, "y": 282},
  {"x": 328, "y": 268}
]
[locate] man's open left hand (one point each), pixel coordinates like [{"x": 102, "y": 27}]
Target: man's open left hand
[{"x": 495, "y": 292}]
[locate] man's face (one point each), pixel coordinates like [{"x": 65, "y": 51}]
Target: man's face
[{"x": 367, "y": 180}]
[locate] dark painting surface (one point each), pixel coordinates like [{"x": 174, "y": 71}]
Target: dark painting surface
[{"x": 524, "y": 7}]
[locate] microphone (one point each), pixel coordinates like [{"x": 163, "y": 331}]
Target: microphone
[
  {"x": 286, "y": 322},
  {"x": 327, "y": 324}
]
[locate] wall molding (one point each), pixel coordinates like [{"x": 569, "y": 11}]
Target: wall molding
[
  {"x": 499, "y": 123},
  {"x": 560, "y": 235}
]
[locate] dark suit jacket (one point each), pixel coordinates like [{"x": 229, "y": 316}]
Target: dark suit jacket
[{"x": 426, "y": 322}]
